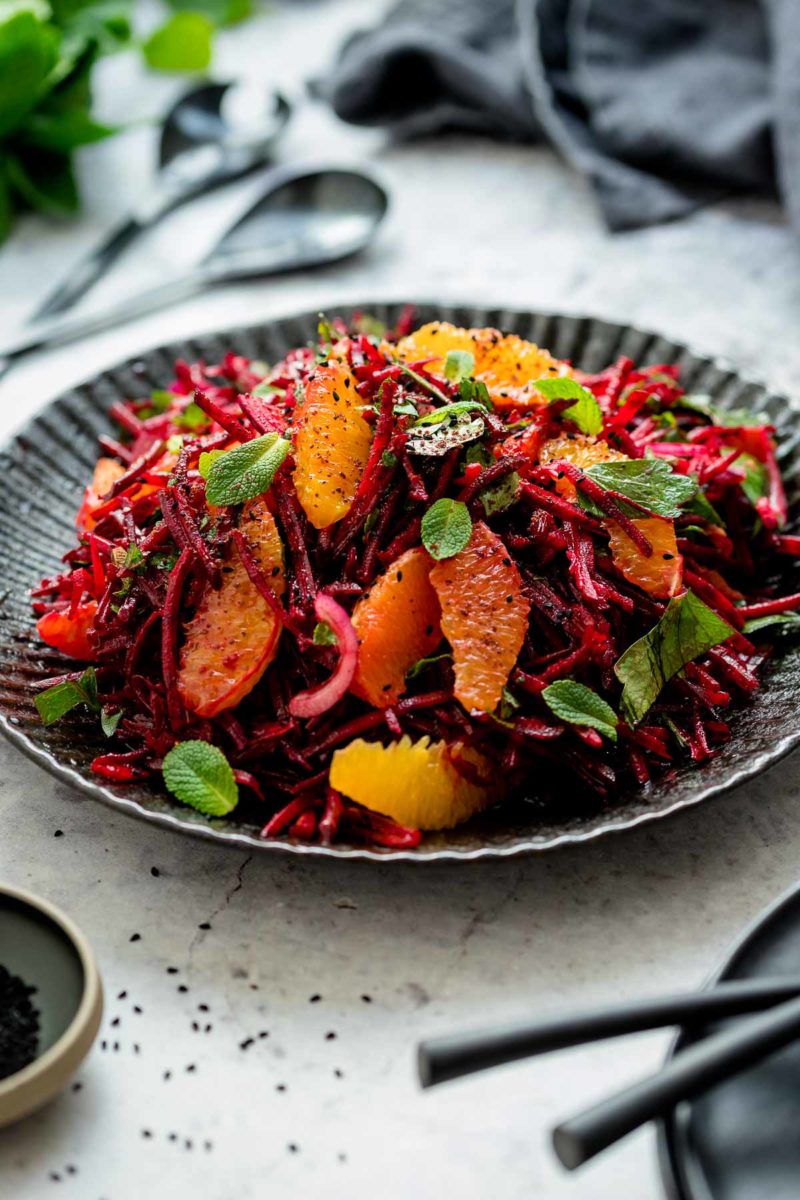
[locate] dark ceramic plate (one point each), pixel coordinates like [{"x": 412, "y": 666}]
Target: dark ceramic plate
[
  {"x": 46, "y": 467},
  {"x": 740, "y": 1141}
]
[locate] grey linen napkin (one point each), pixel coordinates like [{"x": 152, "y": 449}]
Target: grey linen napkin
[{"x": 664, "y": 104}]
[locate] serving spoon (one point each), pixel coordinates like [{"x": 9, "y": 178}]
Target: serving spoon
[
  {"x": 215, "y": 133},
  {"x": 306, "y": 217}
]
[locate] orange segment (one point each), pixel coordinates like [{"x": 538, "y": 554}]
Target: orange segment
[
  {"x": 69, "y": 634},
  {"x": 417, "y": 784},
  {"x": 661, "y": 575},
  {"x": 396, "y": 623},
  {"x": 106, "y": 472},
  {"x": 508, "y": 364},
  {"x": 581, "y": 451},
  {"x": 233, "y": 636},
  {"x": 331, "y": 445},
  {"x": 484, "y": 617}
]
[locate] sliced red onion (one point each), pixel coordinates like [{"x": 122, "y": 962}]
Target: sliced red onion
[{"x": 320, "y": 699}]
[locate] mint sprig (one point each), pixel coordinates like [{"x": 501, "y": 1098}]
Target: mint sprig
[
  {"x": 459, "y": 364},
  {"x": 55, "y": 702},
  {"x": 585, "y": 412},
  {"x": 650, "y": 482},
  {"x": 687, "y": 629},
  {"x": 577, "y": 704},
  {"x": 199, "y": 775},
  {"x": 246, "y": 471},
  {"x": 446, "y": 528}
]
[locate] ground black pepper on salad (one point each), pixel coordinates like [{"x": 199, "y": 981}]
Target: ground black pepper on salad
[{"x": 390, "y": 581}]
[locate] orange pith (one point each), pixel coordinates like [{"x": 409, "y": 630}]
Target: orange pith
[
  {"x": 660, "y": 575},
  {"x": 69, "y": 634},
  {"x": 484, "y": 617},
  {"x": 417, "y": 784},
  {"x": 397, "y": 623},
  {"x": 106, "y": 472},
  {"x": 331, "y": 444},
  {"x": 233, "y": 636},
  {"x": 508, "y": 365}
]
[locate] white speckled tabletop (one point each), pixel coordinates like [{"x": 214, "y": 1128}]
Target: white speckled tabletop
[{"x": 259, "y": 1032}]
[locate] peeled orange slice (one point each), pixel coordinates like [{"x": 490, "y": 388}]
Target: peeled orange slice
[
  {"x": 660, "y": 575},
  {"x": 484, "y": 617},
  {"x": 233, "y": 636},
  {"x": 508, "y": 365},
  {"x": 417, "y": 784},
  {"x": 581, "y": 451},
  {"x": 396, "y": 623},
  {"x": 331, "y": 444}
]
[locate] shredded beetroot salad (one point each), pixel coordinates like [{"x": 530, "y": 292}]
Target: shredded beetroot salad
[{"x": 405, "y": 575}]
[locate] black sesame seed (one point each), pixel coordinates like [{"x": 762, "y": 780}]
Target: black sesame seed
[
  {"x": 315, "y": 998},
  {"x": 172, "y": 970},
  {"x": 122, "y": 996},
  {"x": 182, "y": 987},
  {"x": 155, "y": 871},
  {"x": 204, "y": 925},
  {"x": 58, "y": 833},
  {"x": 191, "y": 1067},
  {"x": 330, "y": 1035},
  {"x": 135, "y": 937}
]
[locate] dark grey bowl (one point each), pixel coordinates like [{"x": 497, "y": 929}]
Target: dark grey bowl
[{"x": 44, "y": 471}]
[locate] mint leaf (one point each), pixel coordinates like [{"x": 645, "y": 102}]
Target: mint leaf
[
  {"x": 388, "y": 459},
  {"x": 53, "y": 703},
  {"x": 500, "y": 496},
  {"x": 183, "y": 43},
  {"x": 323, "y": 635},
  {"x": 159, "y": 403},
  {"x": 207, "y": 460},
  {"x": 755, "y": 484},
  {"x": 648, "y": 481},
  {"x": 585, "y": 412},
  {"x": 192, "y": 417},
  {"x": 579, "y": 705},
  {"x": 133, "y": 558},
  {"x": 175, "y": 443},
  {"x": 437, "y": 439},
  {"x": 701, "y": 506},
  {"x": 423, "y": 663},
  {"x": 110, "y": 720},
  {"x": 476, "y": 392},
  {"x": 448, "y": 411},
  {"x": 200, "y": 775},
  {"x": 247, "y": 471},
  {"x": 370, "y": 326},
  {"x": 459, "y": 364},
  {"x": 425, "y": 384},
  {"x": 730, "y": 417},
  {"x": 687, "y": 629},
  {"x": 446, "y": 528},
  {"x": 265, "y": 389},
  {"x": 783, "y": 618}
]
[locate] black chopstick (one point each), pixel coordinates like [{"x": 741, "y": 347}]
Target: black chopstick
[
  {"x": 688, "y": 1074},
  {"x": 444, "y": 1058}
]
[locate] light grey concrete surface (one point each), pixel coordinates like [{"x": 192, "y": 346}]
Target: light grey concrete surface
[{"x": 436, "y": 948}]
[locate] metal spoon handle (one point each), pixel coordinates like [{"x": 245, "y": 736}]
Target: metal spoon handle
[
  {"x": 89, "y": 269},
  {"x": 67, "y": 329}
]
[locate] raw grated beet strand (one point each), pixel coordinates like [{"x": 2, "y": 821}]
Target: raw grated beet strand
[{"x": 150, "y": 552}]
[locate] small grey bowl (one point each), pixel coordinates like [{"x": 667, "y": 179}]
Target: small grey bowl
[{"x": 44, "y": 948}]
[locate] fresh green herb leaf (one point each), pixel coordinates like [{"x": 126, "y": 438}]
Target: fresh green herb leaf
[
  {"x": 370, "y": 326},
  {"x": 585, "y": 412},
  {"x": 265, "y": 389},
  {"x": 755, "y": 484},
  {"x": 438, "y": 439},
  {"x": 175, "y": 443},
  {"x": 163, "y": 561},
  {"x": 404, "y": 408},
  {"x": 159, "y": 403},
  {"x": 192, "y": 417},
  {"x": 323, "y": 635},
  {"x": 110, "y": 720},
  {"x": 207, "y": 460},
  {"x": 247, "y": 471},
  {"x": 53, "y": 703},
  {"x": 648, "y": 481},
  {"x": 327, "y": 336},
  {"x": 474, "y": 391},
  {"x": 701, "y": 506},
  {"x": 730, "y": 417},
  {"x": 425, "y": 384},
  {"x": 200, "y": 775},
  {"x": 448, "y": 411},
  {"x": 687, "y": 629},
  {"x": 790, "y": 619},
  {"x": 508, "y": 705},
  {"x": 500, "y": 496},
  {"x": 133, "y": 558},
  {"x": 446, "y": 528},
  {"x": 423, "y": 663},
  {"x": 183, "y": 43},
  {"x": 388, "y": 459},
  {"x": 459, "y": 364},
  {"x": 579, "y": 705}
]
